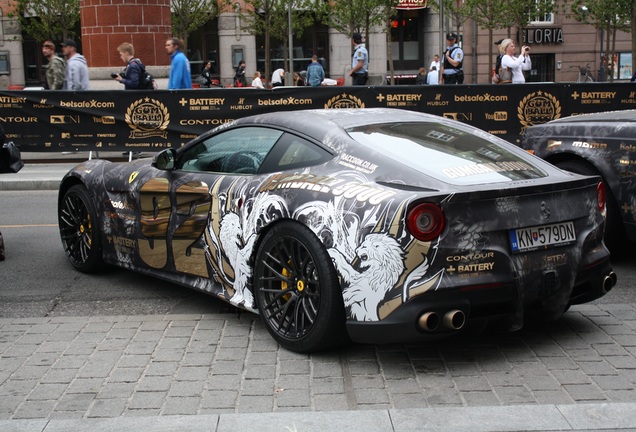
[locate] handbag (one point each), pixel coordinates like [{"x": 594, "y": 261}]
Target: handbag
[
  {"x": 201, "y": 80},
  {"x": 505, "y": 75},
  {"x": 10, "y": 159}
]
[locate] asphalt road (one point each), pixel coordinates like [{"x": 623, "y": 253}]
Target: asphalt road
[{"x": 36, "y": 279}]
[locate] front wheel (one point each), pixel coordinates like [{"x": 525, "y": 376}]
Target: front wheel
[
  {"x": 297, "y": 291},
  {"x": 77, "y": 220}
]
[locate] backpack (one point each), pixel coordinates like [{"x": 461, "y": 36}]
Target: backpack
[
  {"x": 502, "y": 75},
  {"x": 147, "y": 81}
]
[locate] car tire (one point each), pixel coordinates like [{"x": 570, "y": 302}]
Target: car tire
[
  {"x": 614, "y": 230},
  {"x": 297, "y": 291},
  {"x": 77, "y": 219}
]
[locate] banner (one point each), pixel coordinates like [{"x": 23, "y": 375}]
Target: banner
[{"x": 149, "y": 121}]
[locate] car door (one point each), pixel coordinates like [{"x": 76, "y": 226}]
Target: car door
[{"x": 182, "y": 210}]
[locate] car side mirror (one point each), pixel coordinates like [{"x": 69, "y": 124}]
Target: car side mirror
[{"x": 164, "y": 160}]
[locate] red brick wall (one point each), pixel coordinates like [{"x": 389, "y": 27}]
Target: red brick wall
[{"x": 108, "y": 23}]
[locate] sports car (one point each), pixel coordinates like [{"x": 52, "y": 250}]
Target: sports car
[
  {"x": 364, "y": 225},
  {"x": 596, "y": 144}
]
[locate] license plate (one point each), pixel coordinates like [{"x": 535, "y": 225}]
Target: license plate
[{"x": 542, "y": 237}]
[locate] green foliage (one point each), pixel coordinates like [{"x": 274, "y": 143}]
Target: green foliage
[
  {"x": 46, "y": 19},
  {"x": 190, "y": 15},
  {"x": 610, "y": 16},
  {"x": 270, "y": 18}
]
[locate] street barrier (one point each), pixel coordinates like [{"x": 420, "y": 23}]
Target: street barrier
[{"x": 148, "y": 121}]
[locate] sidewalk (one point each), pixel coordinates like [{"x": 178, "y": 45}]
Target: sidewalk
[{"x": 223, "y": 372}]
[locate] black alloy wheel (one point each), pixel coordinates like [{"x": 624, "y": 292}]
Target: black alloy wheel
[
  {"x": 77, "y": 220},
  {"x": 297, "y": 290}
]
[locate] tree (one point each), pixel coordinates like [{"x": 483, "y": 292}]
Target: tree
[
  {"x": 189, "y": 15},
  {"x": 360, "y": 16},
  {"x": 270, "y": 18},
  {"x": 610, "y": 16},
  {"x": 46, "y": 19}
]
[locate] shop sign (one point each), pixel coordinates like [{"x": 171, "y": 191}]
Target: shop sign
[
  {"x": 411, "y": 4},
  {"x": 543, "y": 35}
]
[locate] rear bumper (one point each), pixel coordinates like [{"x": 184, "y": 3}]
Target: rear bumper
[
  {"x": 479, "y": 305},
  {"x": 489, "y": 303}
]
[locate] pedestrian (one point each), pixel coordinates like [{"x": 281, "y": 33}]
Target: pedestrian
[
  {"x": 180, "y": 75},
  {"x": 495, "y": 72},
  {"x": 420, "y": 78},
  {"x": 315, "y": 72},
  {"x": 56, "y": 68},
  {"x": 240, "y": 80},
  {"x": 299, "y": 80},
  {"x": 516, "y": 64},
  {"x": 432, "y": 78},
  {"x": 278, "y": 77},
  {"x": 360, "y": 61},
  {"x": 257, "y": 82},
  {"x": 435, "y": 63},
  {"x": 451, "y": 71},
  {"x": 76, "y": 70},
  {"x": 205, "y": 78},
  {"x": 132, "y": 77}
]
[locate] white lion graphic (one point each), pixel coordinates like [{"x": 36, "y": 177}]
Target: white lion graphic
[
  {"x": 231, "y": 236},
  {"x": 381, "y": 264}
]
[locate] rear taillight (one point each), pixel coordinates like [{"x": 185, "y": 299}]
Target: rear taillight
[
  {"x": 601, "y": 197},
  {"x": 426, "y": 221}
]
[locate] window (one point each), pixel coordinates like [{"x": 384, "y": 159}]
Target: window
[
  {"x": 236, "y": 151},
  {"x": 446, "y": 152},
  {"x": 293, "y": 152},
  {"x": 546, "y": 15}
]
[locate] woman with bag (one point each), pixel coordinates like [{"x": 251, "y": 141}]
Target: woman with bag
[
  {"x": 240, "y": 80},
  {"x": 205, "y": 79},
  {"x": 516, "y": 65}
]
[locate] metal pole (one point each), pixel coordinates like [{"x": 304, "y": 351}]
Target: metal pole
[{"x": 289, "y": 76}]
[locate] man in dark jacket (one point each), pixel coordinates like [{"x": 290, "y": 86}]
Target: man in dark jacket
[{"x": 132, "y": 77}]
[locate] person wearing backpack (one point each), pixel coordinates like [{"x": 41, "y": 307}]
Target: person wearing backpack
[{"x": 133, "y": 76}]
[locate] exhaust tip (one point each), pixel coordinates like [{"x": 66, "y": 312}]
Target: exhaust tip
[
  {"x": 609, "y": 281},
  {"x": 454, "y": 319},
  {"x": 429, "y": 321}
]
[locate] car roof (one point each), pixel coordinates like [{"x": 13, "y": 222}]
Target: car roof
[
  {"x": 607, "y": 116},
  {"x": 345, "y": 118}
]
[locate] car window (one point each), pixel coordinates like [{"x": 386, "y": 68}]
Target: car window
[
  {"x": 235, "y": 151},
  {"x": 292, "y": 151},
  {"x": 449, "y": 153}
]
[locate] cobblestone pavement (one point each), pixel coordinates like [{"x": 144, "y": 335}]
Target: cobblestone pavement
[{"x": 96, "y": 367}]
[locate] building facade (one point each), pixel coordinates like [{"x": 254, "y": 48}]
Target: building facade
[{"x": 560, "y": 46}]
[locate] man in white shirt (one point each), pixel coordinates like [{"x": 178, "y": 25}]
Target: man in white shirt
[
  {"x": 277, "y": 77},
  {"x": 435, "y": 63}
]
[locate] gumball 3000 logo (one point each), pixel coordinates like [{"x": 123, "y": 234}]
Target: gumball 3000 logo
[
  {"x": 147, "y": 118},
  {"x": 537, "y": 108}
]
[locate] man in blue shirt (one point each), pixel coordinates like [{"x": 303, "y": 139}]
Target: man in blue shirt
[
  {"x": 180, "y": 76},
  {"x": 360, "y": 62},
  {"x": 315, "y": 72}
]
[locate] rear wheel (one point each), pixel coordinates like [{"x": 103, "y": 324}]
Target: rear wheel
[
  {"x": 614, "y": 230},
  {"x": 77, "y": 220},
  {"x": 297, "y": 291}
]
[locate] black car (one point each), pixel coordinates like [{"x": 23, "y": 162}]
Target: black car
[
  {"x": 596, "y": 144},
  {"x": 377, "y": 225}
]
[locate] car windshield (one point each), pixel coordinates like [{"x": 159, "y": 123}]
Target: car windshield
[{"x": 450, "y": 154}]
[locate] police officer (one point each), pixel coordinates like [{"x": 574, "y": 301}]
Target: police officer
[
  {"x": 452, "y": 72},
  {"x": 360, "y": 62}
]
